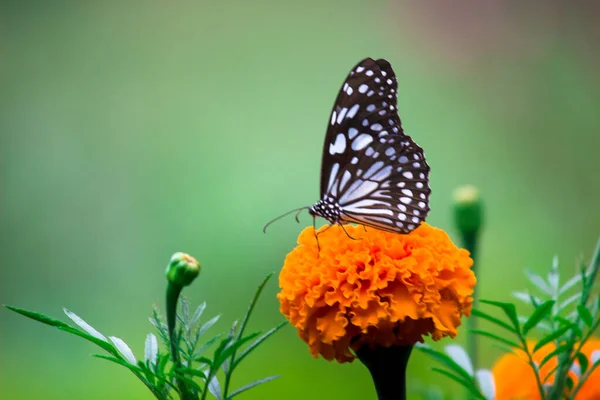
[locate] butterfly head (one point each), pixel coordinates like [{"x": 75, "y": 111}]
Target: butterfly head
[{"x": 327, "y": 208}]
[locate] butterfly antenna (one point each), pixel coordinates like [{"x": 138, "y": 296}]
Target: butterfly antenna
[{"x": 297, "y": 211}]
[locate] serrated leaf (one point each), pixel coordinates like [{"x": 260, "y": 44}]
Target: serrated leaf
[
  {"x": 463, "y": 382},
  {"x": 151, "y": 349},
  {"x": 45, "y": 319},
  {"x": 251, "y": 385},
  {"x": 123, "y": 349},
  {"x": 487, "y": 385},
  {"x": 559, "y": 350},
  {"x": 551, "y": 337},
  {"x": 215, "y": 388},
  {"x": 198, "y": 313},
  {"x": 480, "y": 314},
  {"x": 585, "y": 315},
  {"x": 116, "y": 360},
  {"x": 496, "y": 337},
  {"x": 538, "y": 281},
  {"x": 460, "y": 356},
  {"x": 84, "y": 325},
  {"x": 508, "y": 308},
  {"x": 539, "y": 313},
  {"x": 257, "y": 342},
  {"x": 206, "y": 326},
  {"x": 446, "y": 360}
]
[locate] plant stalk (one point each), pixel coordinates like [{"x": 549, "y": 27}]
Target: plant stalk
[
  {"x": 388, "y": 369},
  {"x": 173, "y": 292}
]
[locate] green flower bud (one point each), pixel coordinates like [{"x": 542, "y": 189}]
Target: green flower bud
[
  {"x": 182, "y": 269},
  {"x": 468, "y": 212}
]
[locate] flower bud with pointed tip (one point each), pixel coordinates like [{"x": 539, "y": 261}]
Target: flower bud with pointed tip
[
  {"x": 468, "y": 210},
  {"x": 182, "y": 269}
]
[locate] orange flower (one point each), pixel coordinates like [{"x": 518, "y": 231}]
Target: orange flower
[
  {"x": 382, "y": 288},
  {"x": 515, "y": 379},
  {"x": 591, "y": 387}
]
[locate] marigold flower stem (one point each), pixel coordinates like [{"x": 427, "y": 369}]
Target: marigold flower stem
[
  {"x": 388, "y": 369},
  {"x": 173, "y": 292}
]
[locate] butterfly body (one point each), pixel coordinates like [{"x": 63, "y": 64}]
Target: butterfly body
[{"x": 372, "y": 173}]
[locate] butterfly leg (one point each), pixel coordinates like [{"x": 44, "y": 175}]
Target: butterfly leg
[
  {"x": 344, "y": 229},
  {"x": 316, "y": 236}
]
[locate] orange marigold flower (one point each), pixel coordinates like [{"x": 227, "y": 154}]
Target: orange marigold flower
[
  {"x": 384, "y": 288},
  {"x": 515, "y": 379}
]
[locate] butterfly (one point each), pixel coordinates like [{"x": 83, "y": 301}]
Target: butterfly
[{"x": 372, "y": 173}]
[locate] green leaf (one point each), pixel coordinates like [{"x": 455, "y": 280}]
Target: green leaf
[
  {"x": 104, "y": 345},
  {"x": 570, "y": 300},
  {"x": 481, "y": 314},
  {"x": 565, "y": 322},
  {"x": 38, "y": 317},
  {"x": 559, "y": 350},
  {"x": 585, "y": 315},
  {"x": 252, "y": 304},
  {"x": 446, "y": 360},
  {"x": 551, "y": 337},
  {"x": 583, "y": 362},
  {"x": 206, "y": 345},
  {"x": 508, "y": 308},
  {"x": 257, "y": 342},
  {"x": 251, "y": 385},
  {"x": 231, "y": 348},
  {"x": 123, "y": 363},
  {"x": 469, "y": 385},
  {"x": 497, "y": 338},
  {"x": 539, "y": 313},
  {"x": 192, "y": 372},
  {"x": 204, "y": 360},
  {"x": 189, "y": 382}
]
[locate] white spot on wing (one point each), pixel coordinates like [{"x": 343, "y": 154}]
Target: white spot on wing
[
  {"x": 361, "y": 141},
  {"x": 341, "y": 115},
  {"x": 382, "y": 174},
  {"x": 339, "y": 146},
  {"x": 332, "y": 175},
  {"x": 407, "y": 175},
  {"x": 357, "y": 189},
  {"x": 352, "y": 132},
  {"x": 352, "y": 111},
  {"x": 373, "y": 168},
  {"x": 376, "y": 127},
  {"x": 360, "y": 207},
  {"x": 345, "y": 178},
  {"x": 363, "y": 88}
]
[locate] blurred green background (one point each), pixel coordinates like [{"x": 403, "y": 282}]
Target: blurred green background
[{"x": 131, "y": 130}]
